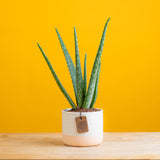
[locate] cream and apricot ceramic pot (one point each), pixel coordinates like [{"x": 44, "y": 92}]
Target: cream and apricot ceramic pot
[{"x": 71, "y": 137}]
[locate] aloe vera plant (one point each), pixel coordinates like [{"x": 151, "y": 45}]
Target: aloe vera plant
[{"x": 85, "y": 98}]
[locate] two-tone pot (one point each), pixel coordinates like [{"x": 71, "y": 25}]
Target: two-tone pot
[{"x": 93, "y": 136}]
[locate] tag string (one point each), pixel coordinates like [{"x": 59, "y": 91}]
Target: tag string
[{"x": 80, "y": 115}]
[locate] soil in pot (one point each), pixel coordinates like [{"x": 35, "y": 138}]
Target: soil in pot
[{"x": 78, "y": 109}]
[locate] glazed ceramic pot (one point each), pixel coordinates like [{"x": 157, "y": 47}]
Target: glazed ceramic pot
[{"x": 70, "y": 135}]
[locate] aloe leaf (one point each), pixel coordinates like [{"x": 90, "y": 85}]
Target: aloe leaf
[
  {"x": 56, "y": 79},
  {"x": 85, "y": 75},
  {"x": 70, "y": 63},
  {"x": 79, "y": 80},
  {"x": 90, "y": 92},
  {"x": 91, "y": 87},
  {"x": 96, "y": 88}
]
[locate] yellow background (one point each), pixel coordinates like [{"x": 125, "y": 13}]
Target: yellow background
[{"x": 129, "y": 89}]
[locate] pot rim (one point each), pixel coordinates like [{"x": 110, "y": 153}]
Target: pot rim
[{"x": 77, "y": 113}]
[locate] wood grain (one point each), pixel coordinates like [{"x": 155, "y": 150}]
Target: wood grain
[{"x": 137, "y": 145}]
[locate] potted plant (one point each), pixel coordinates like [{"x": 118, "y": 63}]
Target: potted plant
[{"x": 82, "y": 125}]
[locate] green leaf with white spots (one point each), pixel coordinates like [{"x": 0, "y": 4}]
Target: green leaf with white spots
[
  {"x": 56, "y": 79},
  {"x": 70, "y": 64},
  {"x": 91, "y": 87},
  {"x": 96, "y": 88},
  {"x": 79, "y": 80},
  {"x": 85, "y": 75}
]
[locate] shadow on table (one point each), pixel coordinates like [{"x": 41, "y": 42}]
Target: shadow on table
[{"x": 48, "y": 142}]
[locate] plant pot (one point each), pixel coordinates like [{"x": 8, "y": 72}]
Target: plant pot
[{"x": 71, "y": 137}]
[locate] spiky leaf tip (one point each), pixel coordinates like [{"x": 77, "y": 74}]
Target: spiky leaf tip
[{"x": 90, "y": 92}]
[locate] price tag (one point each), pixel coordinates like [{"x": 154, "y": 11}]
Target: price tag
[{"x": 82, "y": 125}]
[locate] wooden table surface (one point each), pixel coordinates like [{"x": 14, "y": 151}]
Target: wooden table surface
[{"x": 139, "y": 145}]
